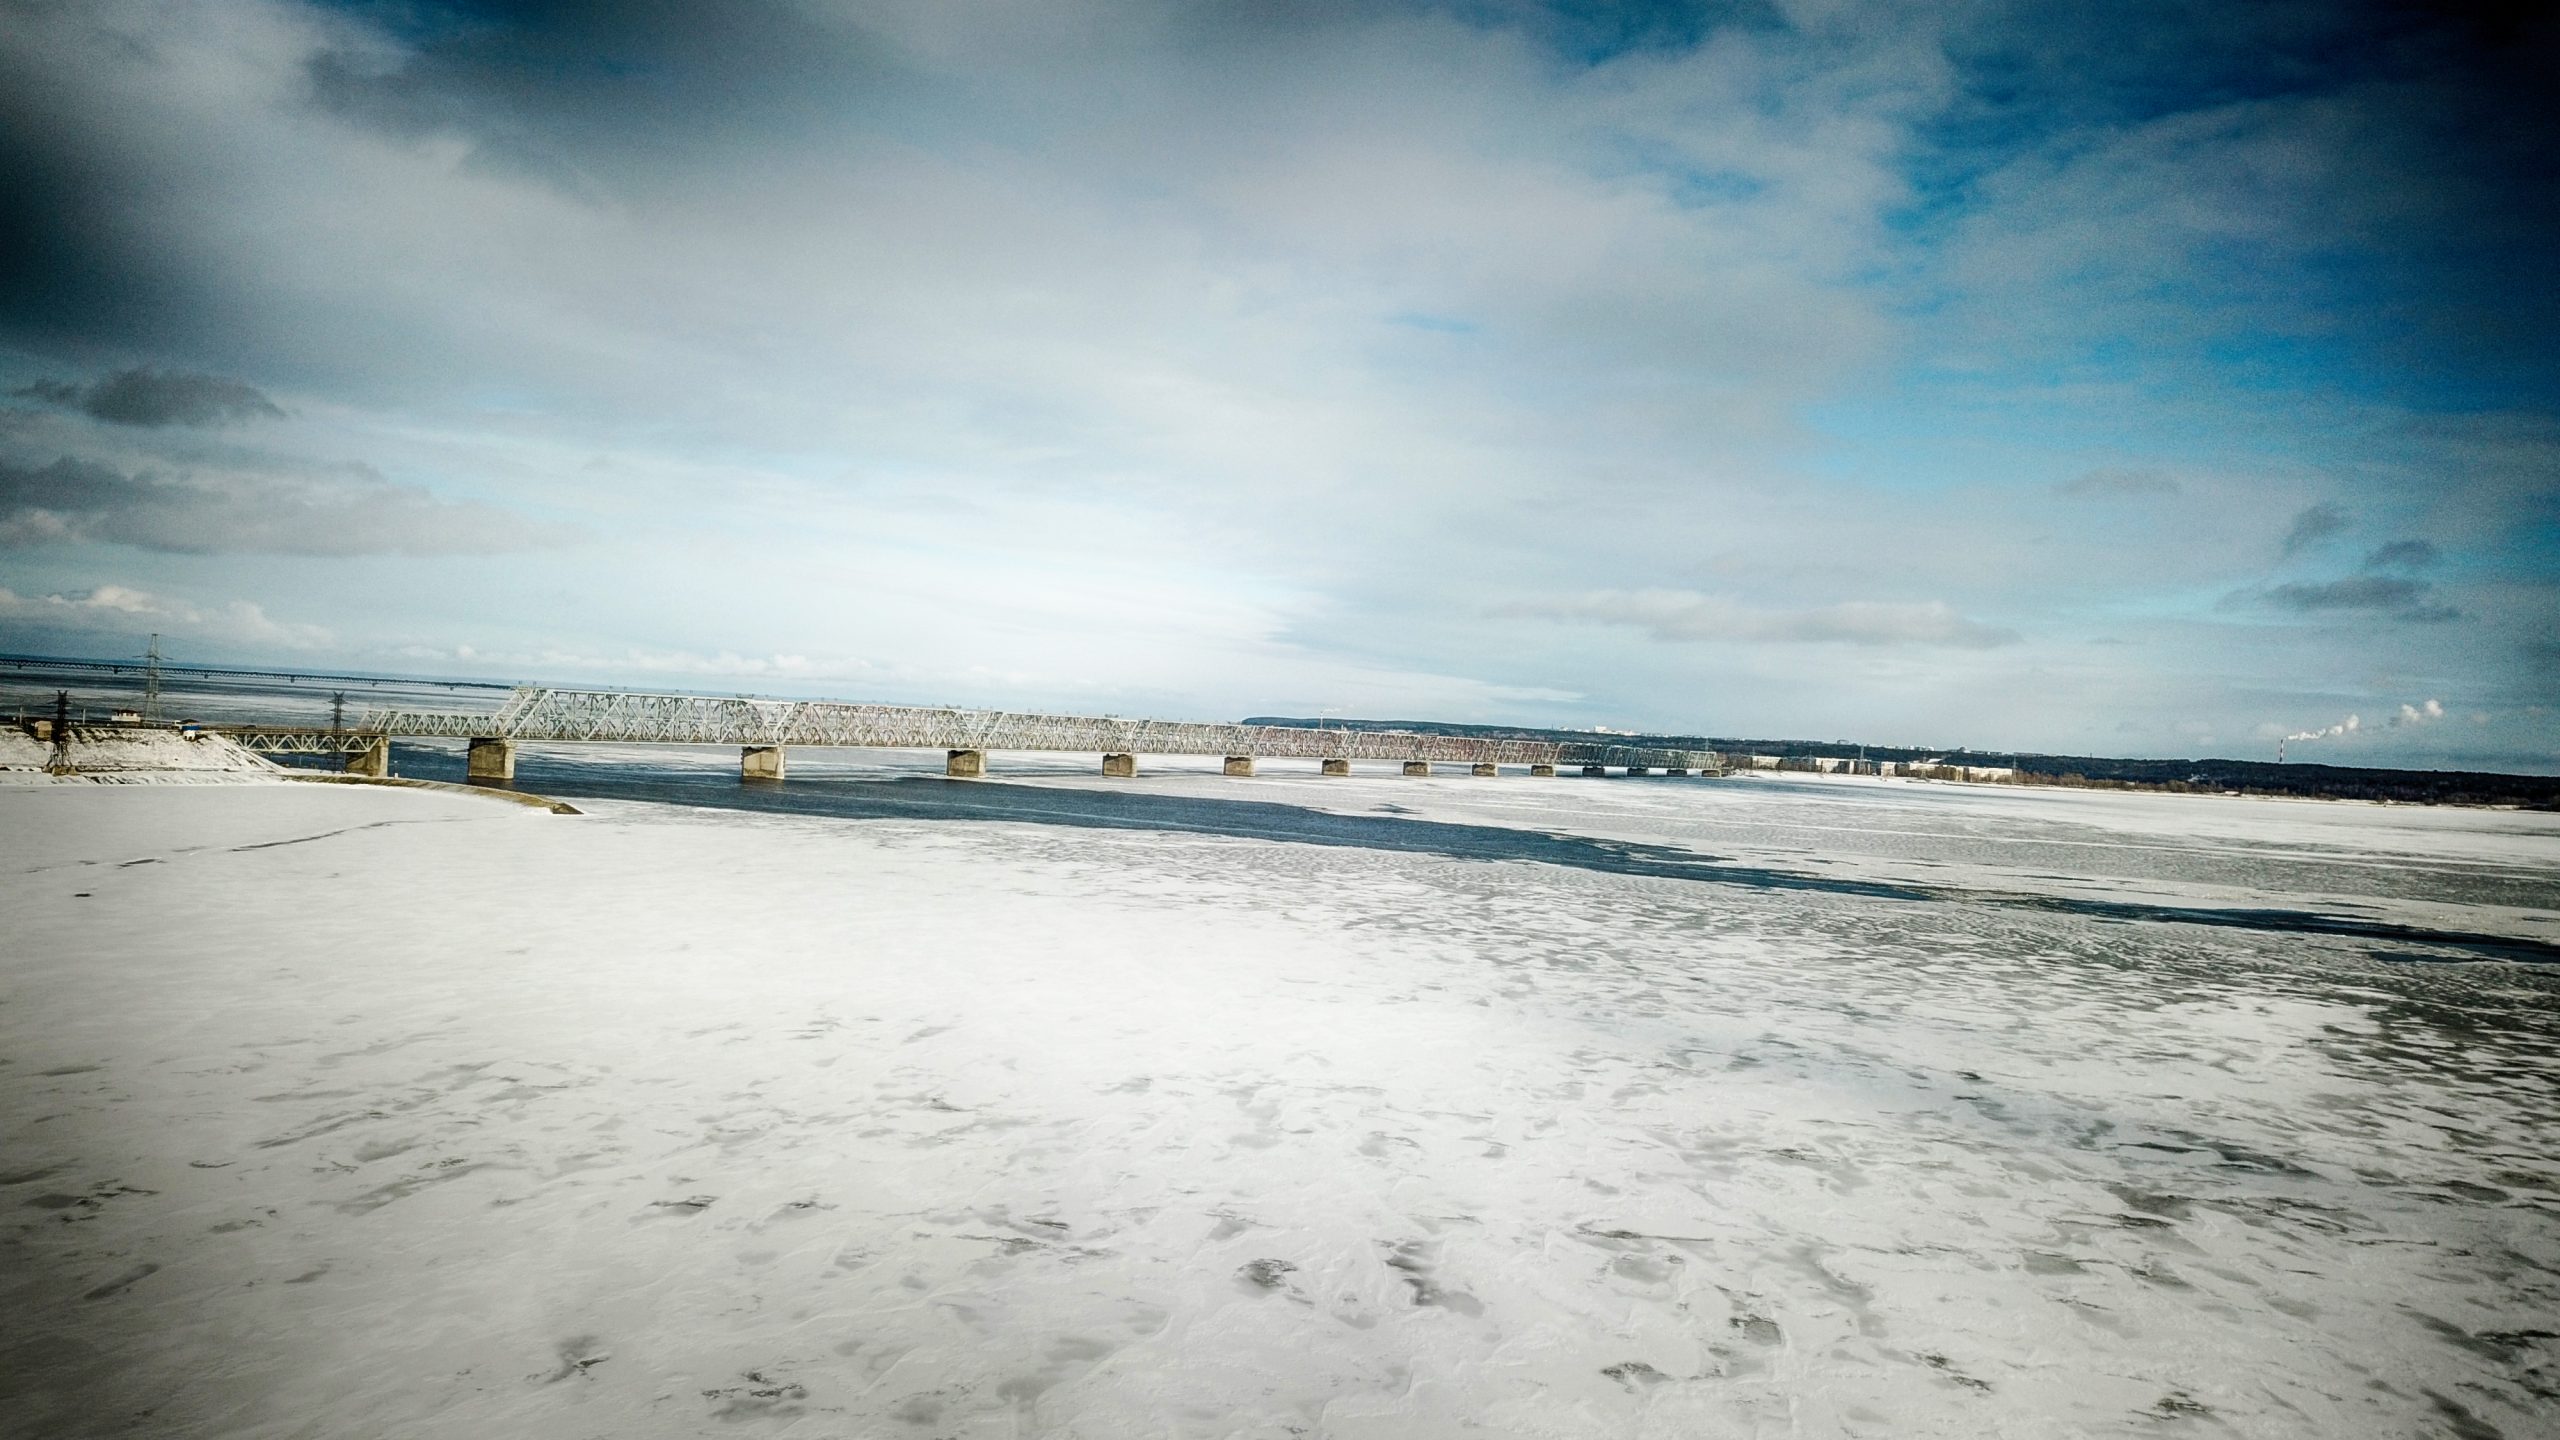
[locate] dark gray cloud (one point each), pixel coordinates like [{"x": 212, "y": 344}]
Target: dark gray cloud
[
  {"x": 2356, "y": 592},
  {"x": 158, "y": 397},
  {"x": 607, "y": 98},
  {"x": 336, "y": 510},
  {"x": 2315, "y": 524},
  {"x": 2395, "y": 597},
  {"x": 2122, "y": 483},
  {"x": 2402, "y": 555}
]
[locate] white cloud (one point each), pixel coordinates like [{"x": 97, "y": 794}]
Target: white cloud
[
  {"x": 123, "y": 611},
  {"x": 1686, "y": 615}
]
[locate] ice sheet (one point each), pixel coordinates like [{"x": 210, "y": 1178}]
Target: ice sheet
[
  {"x": 337, "y": 1111},
  {"x": 2443, "y": 866}
]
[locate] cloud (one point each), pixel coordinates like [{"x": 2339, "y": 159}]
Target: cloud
[
  {"x": 2114, "y": 482},
  {"x": 1681, "y": 616},
  {"x": 156, "y": 398},
  {"x": 2396, "y": 596},
  {"x": 2314, "y": 524},
  {"x": 2402, "y": 555},
  {"x": 2356, "y": 592},
  {"x": 319, "y": 510},
  {"x": 1336, "y": 323},
  {"x": 123, "y": 609}
]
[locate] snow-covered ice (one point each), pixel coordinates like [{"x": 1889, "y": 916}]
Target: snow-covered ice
[{"x": 348, "y": 1111}]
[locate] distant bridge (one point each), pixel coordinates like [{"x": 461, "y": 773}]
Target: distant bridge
[{"x": 764, "y": 729}]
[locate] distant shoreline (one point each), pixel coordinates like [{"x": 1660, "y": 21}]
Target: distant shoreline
[{"x": 2302, "y": 778}]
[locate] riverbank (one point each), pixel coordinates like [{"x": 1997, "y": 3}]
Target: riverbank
[
  {"x": 126, "y": 755},
  {"x": 344, "y": 1110}
]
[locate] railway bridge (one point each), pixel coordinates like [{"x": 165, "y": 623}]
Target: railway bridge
[{"x": 765, "y": 730}]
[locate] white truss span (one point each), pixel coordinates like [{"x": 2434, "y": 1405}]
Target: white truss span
[
  {"x": 290, "y": 740},
  {"x": 542, "y": 714}
]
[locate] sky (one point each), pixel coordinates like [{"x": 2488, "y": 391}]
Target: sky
[{"x": 2081, "y": 378}]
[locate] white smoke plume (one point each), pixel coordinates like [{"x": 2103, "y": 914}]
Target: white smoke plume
[
  {"x": 2348, "y": 726},
  {"x": 2408, "y": 715}
]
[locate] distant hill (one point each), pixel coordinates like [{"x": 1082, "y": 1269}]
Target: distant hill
[{"x": 2253, "y": 777}]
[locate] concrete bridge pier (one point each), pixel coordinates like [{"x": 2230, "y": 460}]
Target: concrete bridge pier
[
  {"x": 1594, "y": 772},
  {"x": 1417, "y": 767},
  {"x": 1240, "y": 765},
  {"x": 1638, "y": 770},
  {"x": 1120, "y": 767},
  {"x": 966, "y": 764},
  {"x": 1333, "y": 767},
  {"x": 1482, "y": 771},
  {"x": 760, "y": 762},
  {"x": 491, "y": 762},
  {"x": 1542, "y": 772},
  {"x": 373, "y": 760},
  {"x": 1675, "y": 770}
]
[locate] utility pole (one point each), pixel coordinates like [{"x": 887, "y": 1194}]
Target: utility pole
[
  {"x": 151, "y": 683},
  {"x": 338, "y": 712}
]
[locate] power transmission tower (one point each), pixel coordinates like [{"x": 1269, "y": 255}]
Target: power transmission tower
[
  {"x": 337, "y": 712},
  {"x": 151, "y": 683}
]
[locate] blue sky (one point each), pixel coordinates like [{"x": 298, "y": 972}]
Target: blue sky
[{"x": 2071, "y": 378}]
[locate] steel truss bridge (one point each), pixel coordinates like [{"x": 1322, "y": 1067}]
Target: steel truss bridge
[{"x": 549, "y": 715}]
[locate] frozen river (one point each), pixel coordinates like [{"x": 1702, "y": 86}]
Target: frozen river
[{"x": 887, "y": 1106}]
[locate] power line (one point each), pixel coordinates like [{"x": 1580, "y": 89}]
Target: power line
[{"x": 150, "y": 667}]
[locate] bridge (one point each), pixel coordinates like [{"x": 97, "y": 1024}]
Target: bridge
[{"x": 765, "y": 730}]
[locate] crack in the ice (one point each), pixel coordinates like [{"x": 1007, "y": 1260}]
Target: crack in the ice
[{"x": 329, "y": 834}]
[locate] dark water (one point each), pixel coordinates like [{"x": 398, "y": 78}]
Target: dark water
[{"x": 916, "y": 797}]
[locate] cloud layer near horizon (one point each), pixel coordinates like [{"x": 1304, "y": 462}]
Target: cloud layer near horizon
[
  {"x": 2161, "y": 385},
  {"x": 339, "y": 510}
]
